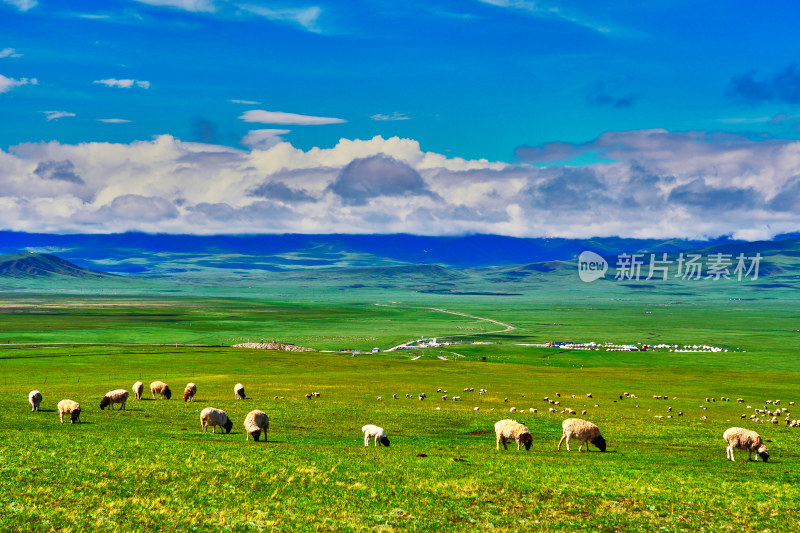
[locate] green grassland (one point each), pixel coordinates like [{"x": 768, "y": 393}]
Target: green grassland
[{"x": 151, "y": 468}]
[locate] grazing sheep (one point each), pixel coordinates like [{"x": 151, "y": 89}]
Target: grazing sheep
[
  {"x": 422, "y": 396},
  {"x": 238, "y": 392},
  {"x": 476, "y": 408},
  {"x": 589, "y": 395},
  {"x": 394, "y": 396},
  {"x": 189, "y": 392},
  {"x": 68, "y": 407},
  {"x": 371, "y": 431},
  {"x": 119, "y": 396},
  {"x": 745, "y": 439},
  {"x": 215, "y": 417},
  {"x": 507, "y": 429},
  {"x": 308, "y": 396},
  {"x": 380, "y": 398},
  {"x": 456, "y": 398},
  {"x": 35, "y": 398},
  {"x": 315, "y": 394},
  {"x": 138, "y": 389},
  {"x": 584, "y": 431},
  {"x": 444, "y": 397},
  {"x": 512, "y": 410},
  {"x": 254, "y": 423},
  {"x": 160, "y": 388}
]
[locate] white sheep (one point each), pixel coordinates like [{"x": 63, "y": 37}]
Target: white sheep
[
  {"x": 254, "y": 423},
  {"x": 189, "y": 392},
  {"x": 506, "y": 430},
  {"x": 35, "y": 398},
  {"x": 583, "y": 430},
  {"x": 371, "y": 431},
  {"x": 215, "y": 417},
  {"x": 138, "y": 389},
  {"x": 68, "y": 407},
  {"x": 745, "y": 439},
  {"x": 119, "y": 396},
  {"x": 238, "y": 392},
  {"x": 160, "y": 388}
]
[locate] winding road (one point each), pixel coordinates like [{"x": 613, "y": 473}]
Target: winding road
[{"x": 507, "y": 327}]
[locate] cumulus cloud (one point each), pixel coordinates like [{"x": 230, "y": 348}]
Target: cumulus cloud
[
  {"x": 6, "y": 84},
  {"x": 650, "y": 183},
  {"x": 380, "y": 175},
  {"x": 782, "y": 86},
  {"x": 58, "y": 170},
  {"x": 123, "y": 84},
  {"x": 279, "y": 117},
  {"x": 263, "y": 139},
  {"x": 278, "y": 190},
  {"x": 55, "y": 115}
]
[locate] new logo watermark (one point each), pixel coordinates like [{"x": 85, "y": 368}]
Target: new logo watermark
[{"x": 592, "y": 266}]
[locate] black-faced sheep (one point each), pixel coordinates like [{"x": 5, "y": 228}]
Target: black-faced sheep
[
  {"x": 254, "y": 423},
  {"x": 160, "y": 388},
  {"x": 215, "y": 417},
  {"x": 189, "y": 392},
  {"x": 745, "y": 439},
  {"x": 371, "y": 431},
  {"x": 35, "y": 398},
  {"x": 238, "y": 392},
  {"x": 506, "y": 430},
  {"x": 583, "y": 430},
  {"x": 138, "y": 389},
  {"x": 119, "y": 396},
  {"x": 68, "y": 407}
]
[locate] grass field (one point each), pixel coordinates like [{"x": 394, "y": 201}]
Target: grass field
[{"x": 151, "y": 467}]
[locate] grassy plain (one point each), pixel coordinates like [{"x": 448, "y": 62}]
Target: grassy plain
[{"x": 151, "y": 467}]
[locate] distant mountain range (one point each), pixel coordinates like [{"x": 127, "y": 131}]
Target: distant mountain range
[
  {"x": 139, "y": 253},
  {"x": 30, "y": 265}
]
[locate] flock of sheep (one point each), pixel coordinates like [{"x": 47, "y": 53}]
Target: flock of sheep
[
  {"x": 255, "y": 422},
  {"x": 506, "y": 430}
]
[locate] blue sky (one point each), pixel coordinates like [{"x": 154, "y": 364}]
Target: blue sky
[{"x": 537, "y": 88}]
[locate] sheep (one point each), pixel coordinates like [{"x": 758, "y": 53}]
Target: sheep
[
  {"x": 68, "y": 407},
  {"x": 380, "y": 398},
  {"x": 456, "y": 398},
  {"x": 215, "y": 417},
  {"x": 422, "y": 396},
  {"x": 238, "y": 392},
  {"x": 35, "y": 398},
  {"x": 371, "y": 431},
  {"x": 394, "y": 396},
  {"x": 189, "y": 392},
  {"x": 512, "y": 410},
  {"x": 476, "y": 408},
  {"x": 254, "y": 423},
  {"x": 444, "y": 397},
  {"x": 315, "y": 394},
  {"x": 745, "y": 439},
  {"x": 507, "y": 429},
  {"x": 138, "y": 389},
  {"x": 119, "y": 396},
  {"x": 160, "y": 388},
  {"x": 584, "y": 431},
  {"x": 308, "y": 396}
]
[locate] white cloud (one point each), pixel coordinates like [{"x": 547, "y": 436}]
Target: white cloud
[
  {"x": 55, "y": 115},
  {"x": 6, "y": 84},
  {"x": 9, "y": 52},
  {"x": 263, "y": 139},
  {"x": 306, "y": 17},
  {"x": 195, "y": 6},
  {"x": 279, "y": 117},
  {"x": 245, "y": 102},
  {"x": 394, "y": 116},
  {"x": 661, "y": 185},
  {"x": 22, "y": 5},
  {"x": 113, "y": 120},
  {"x": 123, "y": 84}
]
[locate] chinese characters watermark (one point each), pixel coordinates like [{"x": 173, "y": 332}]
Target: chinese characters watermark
[{"x": 686, "y": 266}]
